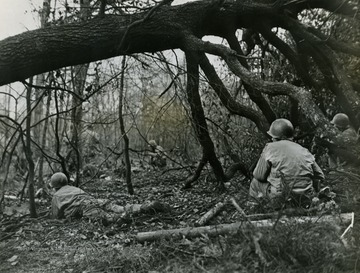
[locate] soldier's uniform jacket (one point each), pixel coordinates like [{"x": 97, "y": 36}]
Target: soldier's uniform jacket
[
  {"x": 287, "y": 164},
  {"x": 72, "y": 202},
  {"x": 158, "y": 157},
  {"x": 348, "y": 137}
]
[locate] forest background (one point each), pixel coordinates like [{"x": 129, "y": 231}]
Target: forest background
[{"x": 79, "y": 111}]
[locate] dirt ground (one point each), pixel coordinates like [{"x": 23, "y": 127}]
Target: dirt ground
[{"x": 45, "y": 245}]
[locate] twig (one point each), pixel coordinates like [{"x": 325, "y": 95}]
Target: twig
[
  {"x": 198, "y": 266},
  {"x": 238, "y": 208},
  {"x": 256, "y": 238},
  {"x": 349, "y": 227},
  {"x": 7, "y": 236}
]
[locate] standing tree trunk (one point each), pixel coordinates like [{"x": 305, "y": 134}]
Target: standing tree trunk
[
  {"x": 62, "y": 159},
  {"x": 43, "y": 141},
  {"x": 28, "y": 154},
  {"x": 123, "y": 132},
  {"x": 79, "y": 74},
  {"x": 198, "y": 117},
  {"x": 40, "y": 131}
]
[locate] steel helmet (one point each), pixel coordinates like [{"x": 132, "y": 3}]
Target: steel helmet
[
  {"x": 152, "y": 143},
  {"x": 58, "y": 180},
  {"x": 341, "y": 121},
  {"x": 281, "y": 129}
]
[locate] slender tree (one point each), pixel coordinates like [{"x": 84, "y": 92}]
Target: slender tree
[
  {"x": 40, "y": 131},
  {"x": 122, "y": 128},
  {"x": 29, "y": 155},
  {"x": 78, "y": 76}
]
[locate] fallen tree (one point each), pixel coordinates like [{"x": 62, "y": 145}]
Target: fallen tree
[
  {"x": 315, "y": 56},
  {"x": 189, "y": 232}
]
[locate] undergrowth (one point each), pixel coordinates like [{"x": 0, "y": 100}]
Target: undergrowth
[
  {"x": 287, "y": 248},
  {"x": 44, "y": 246}
]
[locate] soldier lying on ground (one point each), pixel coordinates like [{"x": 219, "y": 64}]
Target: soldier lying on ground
[
  {"x": 285, "y": 167},
  {"x": 71, "y": 202}
]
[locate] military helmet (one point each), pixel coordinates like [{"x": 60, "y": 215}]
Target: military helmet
[
  {"x": 341, "y": 121},
  {"x": 281, "y": 129},
  {"x": 152, "y": 143},
  {"x": 58, "y": 180}
]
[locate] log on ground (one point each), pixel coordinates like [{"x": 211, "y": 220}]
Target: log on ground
[
  {"x": 215, "y": 230},
  {"x": 210, "y": 214}
]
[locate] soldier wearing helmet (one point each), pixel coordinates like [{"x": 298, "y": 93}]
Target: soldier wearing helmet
[
  {"x": 341, "y": 121},
  {"x": 348, "y": 134},
  {"x": 345, "y": 139},
  {"x": 58, "y": 180},
  {"x": 72, "y": 202},
  {"x": 285, "y": 167},
  {"x": 157, "y": 154}
]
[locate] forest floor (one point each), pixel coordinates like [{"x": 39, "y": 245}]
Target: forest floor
[{"x": 45, "y": 245}]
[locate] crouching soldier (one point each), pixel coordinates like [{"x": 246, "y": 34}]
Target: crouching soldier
[
  {"x": 285, "y": 168},
  {"x": 347, "y": 139},
  {"x": 157, "y": 154}
]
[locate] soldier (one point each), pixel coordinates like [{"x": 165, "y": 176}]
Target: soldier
[
  {"x": 346, "y": 139},
  {"x": 285, "y": 167},
  {"x": 348, "y": 134},
  {"x": 71, "y": 202},
  {"x": 158, "y": 155}
]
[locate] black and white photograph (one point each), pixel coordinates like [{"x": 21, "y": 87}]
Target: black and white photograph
[{"x": 179, "y": 136}]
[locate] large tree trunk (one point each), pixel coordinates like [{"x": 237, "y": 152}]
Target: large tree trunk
[
  {"x": 334, "y": 76},
  {"x": 42, "y": 50},
  {"x": 183, "y": 26}
]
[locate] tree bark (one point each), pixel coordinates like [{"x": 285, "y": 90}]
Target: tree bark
[
  {"x": 40, "y": 131},
  {"x": 255, "y": 95},
  {"x": 57, "y": 137},
  {"x": 78, "y": 77},
  {"x": 43, "y": 141},
  {"x": 327, "y": 61},
  {"x": 225, "y": 97},
  {"x": 198, "y": 116},
  {"x": 196, "y": 175},
  {"x": 122, "y": 130},
  {"x": 42, "y": 50},
  {"x": 29, "y": 156}
]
